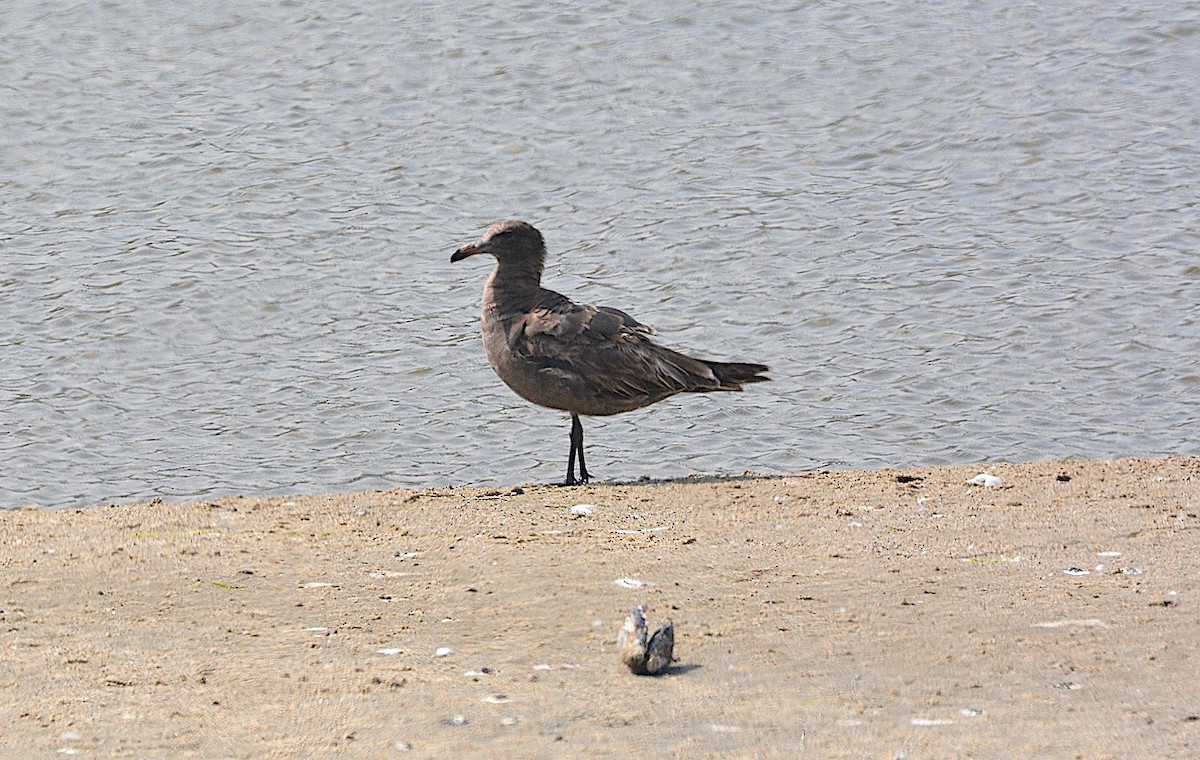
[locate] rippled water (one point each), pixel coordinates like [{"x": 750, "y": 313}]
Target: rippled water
[{"x": 957, "y": 232}]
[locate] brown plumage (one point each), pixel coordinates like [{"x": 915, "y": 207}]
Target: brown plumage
[{"x": 591, "y": 360}]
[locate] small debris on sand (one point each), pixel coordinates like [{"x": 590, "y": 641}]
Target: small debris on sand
[{"x": 646, "y": 658}]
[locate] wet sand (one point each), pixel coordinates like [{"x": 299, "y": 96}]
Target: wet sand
[{"x": 893, "y": 613}]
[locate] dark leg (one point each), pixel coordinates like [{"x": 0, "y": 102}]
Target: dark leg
[
  {"x": 570, "y": 481},
  {"x": 576, "y": 447},
  {"x": 577, "y": 433}
]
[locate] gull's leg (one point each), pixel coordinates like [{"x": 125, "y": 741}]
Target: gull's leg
[
  {"x": 577, "y": 434},
  {"x": 576, "y": 447},
  {"x": 570, "y": 481}
]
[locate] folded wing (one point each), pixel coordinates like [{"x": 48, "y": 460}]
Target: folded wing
[{"x": 609, "y": 357}]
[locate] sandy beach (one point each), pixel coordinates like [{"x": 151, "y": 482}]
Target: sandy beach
[{"x": 891, "y": 613}]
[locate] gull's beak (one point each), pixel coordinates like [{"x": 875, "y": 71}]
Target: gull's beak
[{"x": 467, "y": 250}]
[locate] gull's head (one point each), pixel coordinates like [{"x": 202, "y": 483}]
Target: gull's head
[{"x": 507, "y": 241}]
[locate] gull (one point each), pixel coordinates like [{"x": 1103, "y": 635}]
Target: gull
[{"x": 585, "y": 360}]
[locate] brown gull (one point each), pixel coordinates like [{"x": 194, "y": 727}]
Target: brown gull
[{"x": 590, "y": 360}]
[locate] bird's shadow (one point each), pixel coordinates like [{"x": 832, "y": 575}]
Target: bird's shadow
[
  {"x": 745, "y": 477},
  {"x": 681, "y": 669},
  {"x": 646, "y": 481}
]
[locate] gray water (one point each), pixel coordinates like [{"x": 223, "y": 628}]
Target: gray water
[{"x": 958, "y": 232}]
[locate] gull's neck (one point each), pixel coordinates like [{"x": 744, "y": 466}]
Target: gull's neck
[{"x": 513, "y": 285}]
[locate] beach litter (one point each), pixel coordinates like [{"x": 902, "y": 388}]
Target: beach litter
[
  {"x": 985, "y": 479},
  {"x": 1087, "y": 623}
]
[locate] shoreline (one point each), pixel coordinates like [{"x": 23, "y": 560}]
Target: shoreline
[{"x": 833, "y": 613}]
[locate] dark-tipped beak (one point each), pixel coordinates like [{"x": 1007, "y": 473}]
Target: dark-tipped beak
[{"x": 467, "y": 250}]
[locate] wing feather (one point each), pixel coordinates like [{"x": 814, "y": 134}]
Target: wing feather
[{"x": 606, "y": 354}]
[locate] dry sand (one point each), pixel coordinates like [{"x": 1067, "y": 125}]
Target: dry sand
[{"x": 844, "y": 614}]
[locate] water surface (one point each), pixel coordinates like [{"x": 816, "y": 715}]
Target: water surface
[{"x": 956, "y": 233}]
